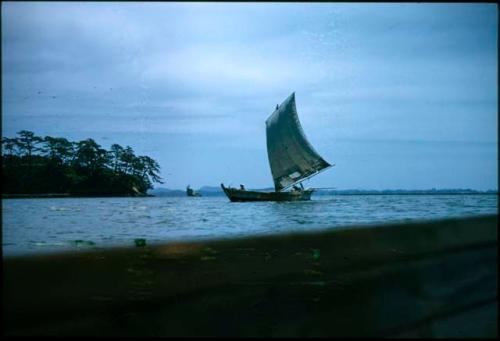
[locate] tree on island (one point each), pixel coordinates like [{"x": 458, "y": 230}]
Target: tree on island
[{"x": 35, "y": 165}]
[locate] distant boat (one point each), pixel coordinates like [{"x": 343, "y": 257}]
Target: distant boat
[
  {"x": 291, "y": 157},
  {"x": 191, "y": 193}
]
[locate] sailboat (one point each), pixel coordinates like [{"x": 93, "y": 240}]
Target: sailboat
[{"x": 291, "y": 157}]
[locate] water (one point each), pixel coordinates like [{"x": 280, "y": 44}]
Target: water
[{"x": 62, "y": 224}]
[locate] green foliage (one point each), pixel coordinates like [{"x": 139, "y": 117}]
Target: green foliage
[{"x": 31, "y": 164}]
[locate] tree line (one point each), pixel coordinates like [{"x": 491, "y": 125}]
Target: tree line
[{"x": 35, "y": 165}]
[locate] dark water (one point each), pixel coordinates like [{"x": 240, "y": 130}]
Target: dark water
[{"x": 48, "y": 225}]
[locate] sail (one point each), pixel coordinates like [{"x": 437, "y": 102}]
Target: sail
[{"x": 291, "y": 156}]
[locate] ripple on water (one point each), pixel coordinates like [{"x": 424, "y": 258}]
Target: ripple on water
[
  {"x": 55, "y": 208},
  {"x": 116, "y": 220}
]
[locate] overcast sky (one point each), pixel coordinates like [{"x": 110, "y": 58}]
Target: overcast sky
[{"x": 395, "y": 95}]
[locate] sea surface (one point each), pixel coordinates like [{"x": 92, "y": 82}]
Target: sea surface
[{"x": 36, "y": 226}]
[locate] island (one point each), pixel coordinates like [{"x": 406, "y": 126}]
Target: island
[{"x": 33, "y": 166}]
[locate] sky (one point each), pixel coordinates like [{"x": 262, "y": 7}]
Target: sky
[{"x": 397, "y": 96}]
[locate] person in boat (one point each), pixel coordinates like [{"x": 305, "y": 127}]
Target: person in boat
[
  {"x": 277, "y": 106},
  {"x": 242, "y": 187},
  {"x": 296, "y": 188}
]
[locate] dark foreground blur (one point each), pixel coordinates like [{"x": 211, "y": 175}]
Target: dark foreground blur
[{"x": 436, "y": 279}]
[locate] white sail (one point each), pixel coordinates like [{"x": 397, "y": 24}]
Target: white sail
[{"x": 291, "y": 156}]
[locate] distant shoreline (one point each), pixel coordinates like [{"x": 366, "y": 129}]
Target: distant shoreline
[
  {"x": 417, "y": 193},
  {"x": 207, "y": 191}
]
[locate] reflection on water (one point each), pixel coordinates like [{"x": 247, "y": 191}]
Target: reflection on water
[{"x": 45, "y": 225}]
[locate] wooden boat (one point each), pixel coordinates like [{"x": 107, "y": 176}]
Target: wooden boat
[
  {"x": 292, "y": 159},
  {"x": 191, "y": 193},
  {"x": 235, "y": 194}
]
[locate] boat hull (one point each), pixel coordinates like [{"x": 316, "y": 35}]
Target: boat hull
[{"x": 239, "y": 195}]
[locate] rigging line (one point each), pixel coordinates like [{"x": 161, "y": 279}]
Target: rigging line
[{"x": 307, "y": 177}]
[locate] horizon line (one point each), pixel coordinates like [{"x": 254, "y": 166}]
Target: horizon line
[{"x": 354, "y": 189}]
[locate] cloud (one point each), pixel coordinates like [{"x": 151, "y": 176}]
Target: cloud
[{"x": 360, "y": 71}]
